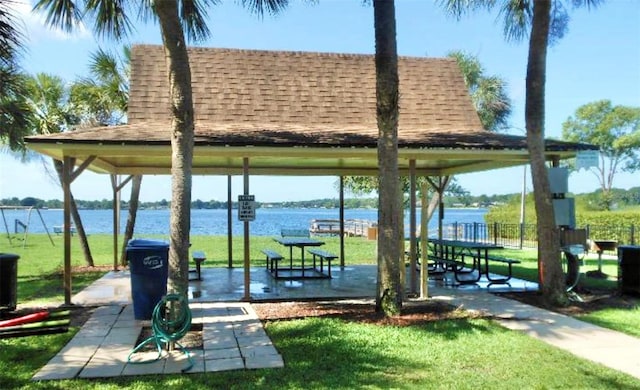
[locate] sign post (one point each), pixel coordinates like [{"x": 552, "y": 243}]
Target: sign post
[{"x": 246, "y": 207}]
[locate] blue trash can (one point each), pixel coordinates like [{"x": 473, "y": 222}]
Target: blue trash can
[
  {"x": 8, "y": 281},
  {"x": 149, "y": 267}
]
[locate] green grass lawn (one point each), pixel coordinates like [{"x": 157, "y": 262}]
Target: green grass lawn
[{"x": 322, "y": 352}]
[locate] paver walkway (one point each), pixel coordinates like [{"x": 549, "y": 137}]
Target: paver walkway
[
  {"x": 608, "y": 347},
  {"x": 233, "y": 338}
]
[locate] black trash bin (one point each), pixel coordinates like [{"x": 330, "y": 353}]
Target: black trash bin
[
  {"x": 149, "y": 267},
  {"x": 629, "y": 269},
  {"x": 8, "y": 281}
]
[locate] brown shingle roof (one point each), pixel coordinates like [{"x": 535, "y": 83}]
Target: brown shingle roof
[
  {"x": 276, "y": 100},
  {"x": 302, "y": 91}
]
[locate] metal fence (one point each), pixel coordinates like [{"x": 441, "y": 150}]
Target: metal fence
[{"x": 515, "y": 235}]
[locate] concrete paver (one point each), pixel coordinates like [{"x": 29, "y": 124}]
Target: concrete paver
[{"x": 233, "y": 339}]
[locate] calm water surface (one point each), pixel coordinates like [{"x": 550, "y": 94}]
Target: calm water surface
[{"x": 268, "y": 222}]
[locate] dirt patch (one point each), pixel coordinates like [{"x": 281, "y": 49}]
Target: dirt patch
[
  {"x": 584, "y": 301},
  {"x": 415, "y": 313},
  {"x": 191, "y": 340},
  {"x": 412, "y": 313},
  {"x": 97, "y": 268}
]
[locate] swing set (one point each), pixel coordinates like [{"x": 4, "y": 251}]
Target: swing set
[{"x": 19, "y": 225}]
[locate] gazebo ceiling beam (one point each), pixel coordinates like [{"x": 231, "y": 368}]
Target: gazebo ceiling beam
[{"x": 105, "y": 151}]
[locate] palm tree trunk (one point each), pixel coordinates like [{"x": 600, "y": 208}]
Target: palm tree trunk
[
  {"x": 550, "y": 268},
  {"x": 75, "y": 214},
  {"x": 179, "y": 74},
  {"x": 134, "y": 201},
  {"x": 389, "y": 293}
]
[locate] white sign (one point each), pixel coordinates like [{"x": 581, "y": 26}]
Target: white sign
[
  {"x": 587, "y": 159},
  {"x": 246, "y": 207}
]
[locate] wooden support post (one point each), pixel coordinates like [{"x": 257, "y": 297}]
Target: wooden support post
[
  {"x": 413, "y": 252},
  {"x": 247, "y": 262},
  {"x": 341, "y": 222},
  {"x": 67, "y": 164},
  {"x": 116, "y": 218},
  {"x": 424, "y": 244},
  {"x": 229, "y": 224}
]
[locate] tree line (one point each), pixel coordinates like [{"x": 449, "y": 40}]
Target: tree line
[{"x": 620, "y": 198}]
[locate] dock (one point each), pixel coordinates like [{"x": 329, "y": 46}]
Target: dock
[{"x": 352, "y": 227}]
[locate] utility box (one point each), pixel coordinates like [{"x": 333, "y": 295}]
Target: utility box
[
  {"x": 558, "y": 180},
  {"x": 564, "y": 211},
  {"x": 629, "y": 269}
]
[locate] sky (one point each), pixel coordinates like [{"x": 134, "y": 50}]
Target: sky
[{"x": 598, "y": 58}]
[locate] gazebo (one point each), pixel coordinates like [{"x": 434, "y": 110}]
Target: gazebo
[{"x": 291, "y": 113}]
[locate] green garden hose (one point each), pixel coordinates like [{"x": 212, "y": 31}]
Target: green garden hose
[{"x": 169, "y": 324}]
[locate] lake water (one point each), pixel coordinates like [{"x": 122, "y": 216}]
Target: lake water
[{"x": 268, "y": 222}]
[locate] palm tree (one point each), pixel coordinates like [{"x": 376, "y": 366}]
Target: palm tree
[
  {"x": 389, "y": 294},
  {"x": 15, "y": 118},
  {"x": 53, "y": 112},
  {"x": 103, "y": 99},
  {"x": 175, "y": 18},
  {"x": 547, "y": 20},
  {"x": 14, "y": 112},
  {"x": 488, "y": 93},
  {"x": 489, "y": 96}
]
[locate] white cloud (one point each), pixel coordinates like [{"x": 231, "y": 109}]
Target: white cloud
[{"x": 34, "y": 27}]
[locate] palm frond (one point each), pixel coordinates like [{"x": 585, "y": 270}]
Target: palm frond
[
  {"x": 517, "y": 16},
  {"x": 260, "y": 7},
  {"x": 193, "y": 14},
  {"x": 63, "y": 14},
  {"x": 459, "y": 8},
  {"x": 11, "y": 39},
  {"x": 110, "y": 17}
]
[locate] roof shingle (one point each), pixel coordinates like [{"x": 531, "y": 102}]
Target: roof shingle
[{"x": 302, "y": 91}]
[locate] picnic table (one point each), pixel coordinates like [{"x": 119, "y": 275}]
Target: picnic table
[
  {"x": 302, "y": 243},
  {"x": 467, "y": 258}
]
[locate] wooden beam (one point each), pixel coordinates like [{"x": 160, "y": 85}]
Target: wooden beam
[
  {"x": 74, "y": 175},
  {"x": 124, "y": 183},
  {"x": 413, "y": 250},
  {"x": 115, "y": 187},
  {"x": 67, "y": 164},
  {"x": 229, "y": 223},
  {"x": 341, "y": 223},
  {"x": 247, "y": 249}
]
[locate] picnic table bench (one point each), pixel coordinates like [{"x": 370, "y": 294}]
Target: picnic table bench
[
  {"x": 60, "y": 229},
  {"x": 500, "y": 259},
  {"x": 323, "y": 255},
  {"x": 440, "y": 265},
  {"x": 273, "y": 258},
  {"x": 198, "y": 258}
]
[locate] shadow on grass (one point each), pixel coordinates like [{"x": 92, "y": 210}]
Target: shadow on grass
[
  {"x": 50, "y": 287},
  {"x": 21, "y": 358}
]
